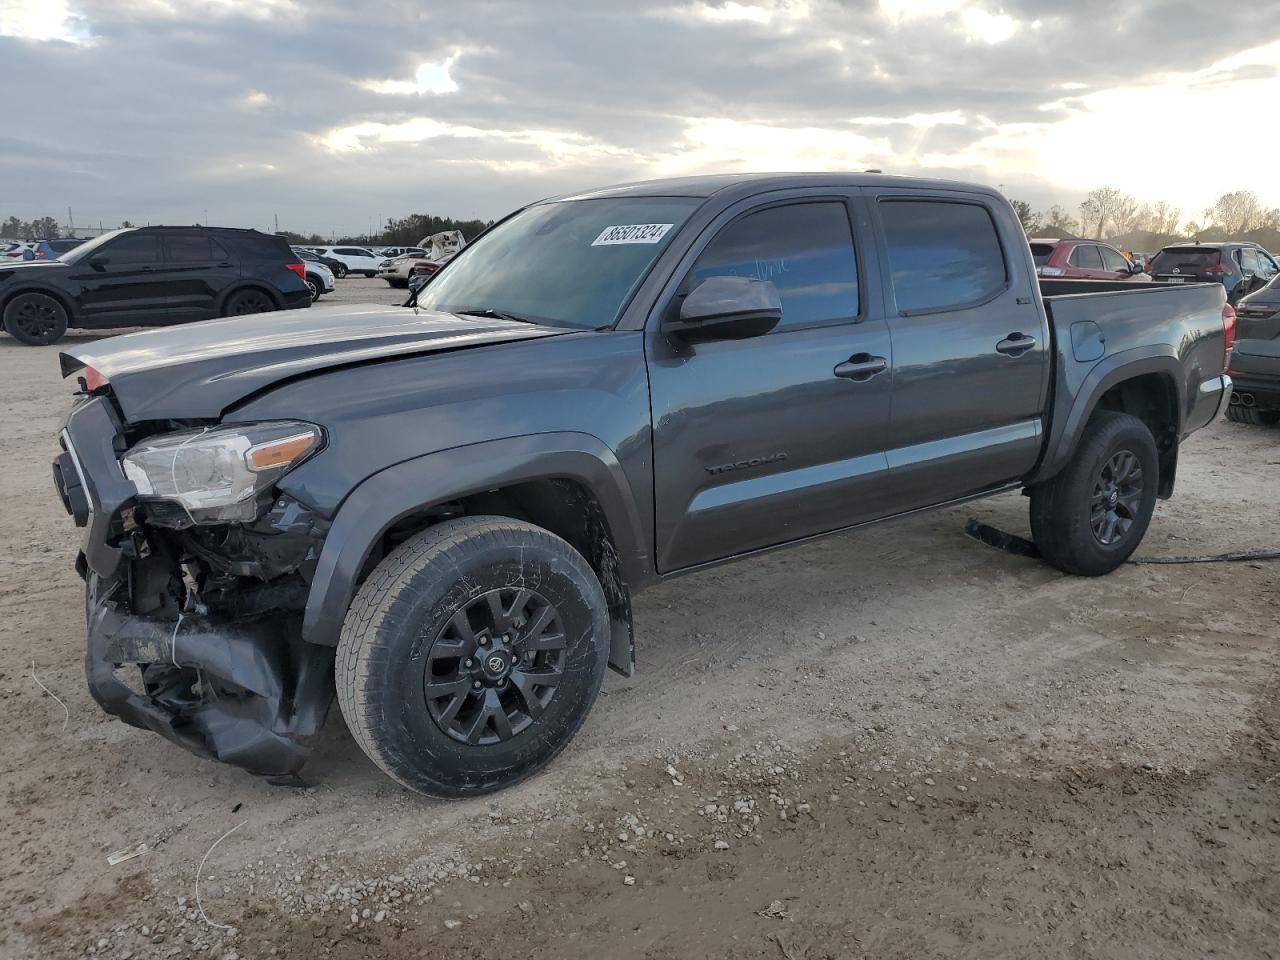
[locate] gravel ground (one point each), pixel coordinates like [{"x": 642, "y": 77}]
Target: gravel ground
[{"x": 891, "y": 743}]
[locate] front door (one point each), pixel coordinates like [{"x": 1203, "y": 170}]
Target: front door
[
  {"x": 970, "y": 346},
  {"x": 123, "y": 280},
  {"x": 782, "y": 436}
]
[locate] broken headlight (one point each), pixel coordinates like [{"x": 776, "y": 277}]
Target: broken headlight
[{"x": 216, "y": 473}]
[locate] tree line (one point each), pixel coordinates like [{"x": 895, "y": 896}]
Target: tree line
[
  {"x": 1110, "y": 214},
  {"x": 401, "y": 232}
]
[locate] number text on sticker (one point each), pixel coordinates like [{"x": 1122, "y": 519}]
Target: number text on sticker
[{"x": 631, "y": 233}]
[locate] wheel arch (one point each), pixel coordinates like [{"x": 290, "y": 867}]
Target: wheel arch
[
  {"x": 571, "y": 484},
  {"x": 67, "y": 303},
  {"x": 1146, "y": 384},
  {"x": 242, "y": 286}
]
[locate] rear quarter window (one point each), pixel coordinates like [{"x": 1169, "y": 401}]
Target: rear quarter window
[{"x": 943, "y": 254}]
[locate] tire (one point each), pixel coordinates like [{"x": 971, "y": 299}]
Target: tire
[
  {"x": 35, "y": 319},
  {"x": 341, "y": 271},
  {"x": 314, "y": 286},
  {"x": 370, "y": 274},
  {"x": 1238, "y": 413},
  {"x": 396, "y": 282},
  {"x": 245, "y": 302},
  {"x": 427, "y": 609},
  {"x": 1090, "y": 518}
]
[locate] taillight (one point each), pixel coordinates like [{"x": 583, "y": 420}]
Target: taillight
[
  {"x": 92, "y": 380},
  {"x": 299, "y": 268},
  {"x": 1228, "y": 333},
  {"x": 1217, "y": 270},
  {"x": 39, "y": 254}
]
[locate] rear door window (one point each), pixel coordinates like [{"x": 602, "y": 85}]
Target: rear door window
[
  {"x": 1086, "y": 257},
  {"x": 1248, "y": 260},
  {"x": 804, "y": 249},
  {"x": 187, "y": 249},
  {"x": 942, "y": 254},
  {"x": 1185, "y": 260}
]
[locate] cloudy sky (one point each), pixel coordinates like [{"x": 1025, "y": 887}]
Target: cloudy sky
[{"x": 336, "y": 115}]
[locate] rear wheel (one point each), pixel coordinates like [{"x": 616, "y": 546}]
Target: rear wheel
[
  {"x": 1090, "y": 518},
  {"x": 472, "y": 655},
  {"x": 248, "y": 301},
  {"x": 1239, "y": 413},
  {"x": 35, "y": 319},
  {"x": 341, "y": 270}
]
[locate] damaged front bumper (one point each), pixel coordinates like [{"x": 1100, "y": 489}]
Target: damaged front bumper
[
  {"x": 250, "y": 693},
  {"x": 195, "y": 634}
]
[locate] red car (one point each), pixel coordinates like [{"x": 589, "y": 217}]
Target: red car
[{"x": 1084, "y": 260}]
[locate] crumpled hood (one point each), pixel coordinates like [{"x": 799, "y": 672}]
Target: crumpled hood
[{"x": 198, "y": 370}]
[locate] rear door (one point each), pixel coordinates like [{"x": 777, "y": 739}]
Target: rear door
[
  {"x": 197, "y": 269},
  {"x": 1086, "y": 263},
  {"x": 777, "y": 437},
  {"x": 970, "y": 345}
]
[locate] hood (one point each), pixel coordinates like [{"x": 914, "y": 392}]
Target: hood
[
  {"x": 198, "y": 370},
  {"x": 8, "y": 266}
]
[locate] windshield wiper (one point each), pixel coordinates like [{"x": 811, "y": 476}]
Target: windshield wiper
[{"x": 497, "y": 315}]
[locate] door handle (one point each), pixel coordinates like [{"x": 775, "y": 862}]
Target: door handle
[
  {"x": 860, "y": 367},
  {"x": 1016, "y": 344}
]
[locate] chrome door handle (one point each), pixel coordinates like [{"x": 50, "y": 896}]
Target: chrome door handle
[
  {"x": 860, "y": 367},
  {"x": 1016, "y": 344}
]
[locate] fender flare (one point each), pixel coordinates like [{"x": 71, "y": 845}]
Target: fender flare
[
  {"x": 68, "y": 303},
  {"x": 415, "y": 485},
  {"x": 247, "y": 284},
  {"x": 1065, "y": 432}
]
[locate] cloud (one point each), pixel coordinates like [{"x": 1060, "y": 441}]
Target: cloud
[{"x": 331, "y": 113}]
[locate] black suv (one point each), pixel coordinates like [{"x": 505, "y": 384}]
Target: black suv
[
  {"x": 1241, "y": 267},
  {"x": 151, "y": 276}
]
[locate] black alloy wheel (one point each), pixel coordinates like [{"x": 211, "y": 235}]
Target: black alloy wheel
[
  {"x": 495, "y": 666},
  {"x": 1117, "y": 498},
  {"x": 249, "y": 301},
  {"x": 35, "y": 319}
]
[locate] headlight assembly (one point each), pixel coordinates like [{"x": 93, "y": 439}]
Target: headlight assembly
[{"x": 216, "y": 473}]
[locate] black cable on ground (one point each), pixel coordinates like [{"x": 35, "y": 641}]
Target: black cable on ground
[{"x": 1022, "y": 547}]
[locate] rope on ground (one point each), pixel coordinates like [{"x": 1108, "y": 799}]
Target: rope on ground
[
  {"x": 66, "y": 714},
  {"x": 1213, "y": 557},
  {"x": 199, "y": 905}
]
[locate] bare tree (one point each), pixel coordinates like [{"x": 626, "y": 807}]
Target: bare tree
[
  {"x": 1058, "y": 221},
  {"x": 1163, "y": 218},
  {"x": 1238, "y": 212},
  {"x": 1104, "y": 206}
]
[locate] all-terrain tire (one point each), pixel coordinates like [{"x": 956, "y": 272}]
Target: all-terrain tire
[
  {"x": 404, "y": 646},
  {"x": 1238, "y": 413},
  {"x": 1085, "y": 522},
  {"x": 35, "y": 319}
]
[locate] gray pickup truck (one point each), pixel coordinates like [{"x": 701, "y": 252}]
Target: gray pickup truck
[{"x": 444, "y": 509}]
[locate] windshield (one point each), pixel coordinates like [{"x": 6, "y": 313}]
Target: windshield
[
  {"x": 573, "y": 263},
  {"x": 87, "y": 248},
  {"x": 1186, "y": 259}
]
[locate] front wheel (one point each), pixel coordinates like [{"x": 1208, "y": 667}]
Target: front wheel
[
  {"x": 314, "y": 286},
  {"x": 472, "y": 655},
  {"x": 1090, "y": 518},
  {"x": 35, "y": 319},
  {"x": 341, "y": 271}
]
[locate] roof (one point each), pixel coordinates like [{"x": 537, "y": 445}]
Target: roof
[{"x": 748, "y": 183}]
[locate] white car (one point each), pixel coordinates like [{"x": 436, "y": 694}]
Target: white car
[
  {"x": 318, "y": 278},
  {"x": 357, "y": 259},
  {"x": 391, "y": 253}
]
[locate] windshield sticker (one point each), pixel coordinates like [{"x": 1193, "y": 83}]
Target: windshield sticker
[{"x": 632, "y": 233}]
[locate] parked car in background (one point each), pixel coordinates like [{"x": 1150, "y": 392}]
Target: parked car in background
[
  {"x": 447, "y": 516},
  {"x": 52, "y": 249},
  {"x": 355, "y": 259},
  {"x": 143, "y": 276},
  {"x": 439, "y": 248},
  {"x": 318, "y": 278},
  {"x": 1083, "y": 260},
  {"x": 391, "y": 253},
  {"x": 11, "y": 250},
  {"x": 1240, "y": 266},
  {"x": 336, "y": 267}
]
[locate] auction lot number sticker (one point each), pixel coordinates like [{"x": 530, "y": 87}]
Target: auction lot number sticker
[{"x": 631, "y": 233}]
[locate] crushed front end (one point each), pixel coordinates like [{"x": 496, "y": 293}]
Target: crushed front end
[{"x": 197, "y": 573}]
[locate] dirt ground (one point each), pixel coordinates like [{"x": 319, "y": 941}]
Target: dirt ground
[{"x": 896, "y": 743}]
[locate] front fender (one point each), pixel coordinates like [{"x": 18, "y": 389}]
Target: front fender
[{"x": 415, "y": 485}]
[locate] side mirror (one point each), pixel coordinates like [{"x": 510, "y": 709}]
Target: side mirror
[
  {"x": 1135, "y": 267},
  {"x": 99, "y": 260},
  {"x": 727, "y": 308}
]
